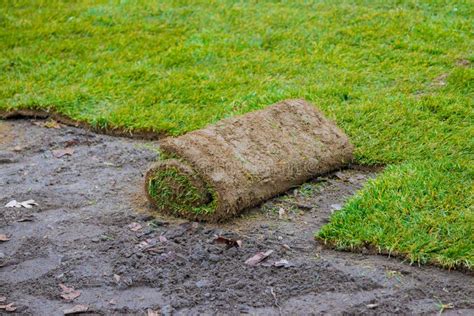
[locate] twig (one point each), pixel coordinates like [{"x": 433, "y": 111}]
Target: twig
[{"x": 276, "y": 300}]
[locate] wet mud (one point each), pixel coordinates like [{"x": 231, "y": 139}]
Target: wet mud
[{"x": 93, "y": 230}]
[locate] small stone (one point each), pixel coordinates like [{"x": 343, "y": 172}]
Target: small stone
[
  {"x": 202, "y": 283},
  {"x": 214, "y": 258}
]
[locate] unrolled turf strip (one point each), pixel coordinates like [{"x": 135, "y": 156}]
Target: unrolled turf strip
[{"x": 216, "y": 172}]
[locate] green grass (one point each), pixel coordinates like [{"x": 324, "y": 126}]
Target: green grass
[
  {"x": 174, "y": 192},
  {"x": 397, "y": 76}
]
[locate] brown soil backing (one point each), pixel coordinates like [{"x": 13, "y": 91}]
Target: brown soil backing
[{"x": 246, "y": 160}]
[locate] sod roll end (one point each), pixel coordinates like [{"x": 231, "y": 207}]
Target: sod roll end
[{"x": 216, "y": 172}]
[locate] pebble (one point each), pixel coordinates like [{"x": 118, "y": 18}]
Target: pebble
[
  {"x": 203, "y": 283},
  {"x": 214, "y": 258}
]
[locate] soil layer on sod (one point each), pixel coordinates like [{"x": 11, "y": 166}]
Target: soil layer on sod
[
  {"x": 214, "y": 173},
  {"x": 396, "y": 76},
  {"x": 80, "y": 235}
]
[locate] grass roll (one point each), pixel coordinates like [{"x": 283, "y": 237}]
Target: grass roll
[{"x": 216, "y": 172}]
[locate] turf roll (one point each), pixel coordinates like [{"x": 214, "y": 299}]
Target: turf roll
[{"x": 214, "y": 173}]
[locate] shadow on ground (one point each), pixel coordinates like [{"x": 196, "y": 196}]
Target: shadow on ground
[{"x": 81, "y": 235}]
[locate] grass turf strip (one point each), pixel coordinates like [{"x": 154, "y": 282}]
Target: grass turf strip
[{"x": 397, "y": 76}]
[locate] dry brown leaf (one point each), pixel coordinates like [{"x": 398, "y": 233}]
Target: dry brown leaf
[
  {"x": 229, "y": 242},
  {"x": 134, "y": 226},
  {"x": 9, "y": 307},
  {"x": 143, "y": 244},
  {"x": 76, "y": 309},
  {"x": 4, "y": 237},
  {"x": 283, "y": 263},
  {"x": 151, "y": 312},
  {"x": 258, "y": 257},
  {"x": 58, "y": 153},
  {"x": 72, "y": 142},
  {"x": 25, "y": 204},
  {"x": 69, "y": 293},
  {"x": 117, "y": 278}
]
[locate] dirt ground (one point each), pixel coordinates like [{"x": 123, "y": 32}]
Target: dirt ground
[{"x": 92, "y": 231}]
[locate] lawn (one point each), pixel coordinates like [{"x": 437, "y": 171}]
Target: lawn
[{"x": 397, "y": 76}]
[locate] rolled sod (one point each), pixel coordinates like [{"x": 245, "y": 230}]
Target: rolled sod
[{"x": 214, "y": 173}]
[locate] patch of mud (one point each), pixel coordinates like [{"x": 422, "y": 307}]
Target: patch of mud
[{"x": 79, "y": 235}]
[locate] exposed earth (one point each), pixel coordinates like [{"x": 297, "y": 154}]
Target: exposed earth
[{"x": 94, "y": 231}]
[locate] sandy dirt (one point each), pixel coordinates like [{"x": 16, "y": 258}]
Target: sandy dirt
[{"x": 80, "y": 235}]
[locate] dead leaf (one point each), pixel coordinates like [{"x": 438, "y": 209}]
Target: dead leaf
[
  {"x": 8, "y": 307},
  {"x": 151, "y": 312},
  {"x": 117, "y": 278},
  {"x": 69, "y": 293},
  {"x": 58, "y": 153},
  {"x": 229, "y": 242},
  {"x": 76, "y": 309},
  {"x": 13, "y": 203},
  {"x": 258, "y": 257},
  {"x": 143, "y": 244},
  {"x": 134, "y": 226},
  {"x": 28, "y": 203},
  {"x": 4, "y": 237},
  {"x": 283, "y": 263},
  {"x": 72, "y": 142},
  {"x": 25, "y": 204}
]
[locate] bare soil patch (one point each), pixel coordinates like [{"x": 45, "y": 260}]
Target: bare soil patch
[{"x": 92, "y": 232}]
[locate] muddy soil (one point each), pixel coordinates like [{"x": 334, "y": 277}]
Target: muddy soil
[{"x": 80, "y": 235}]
